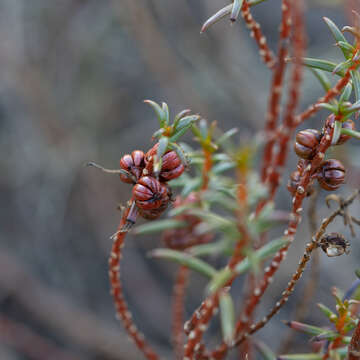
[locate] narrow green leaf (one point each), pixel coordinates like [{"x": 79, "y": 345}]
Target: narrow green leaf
[
  {"x": 158, "y": 110},
  {"x": 310, "y": 356},
  {"x": 352, "y": 133},
  {"x": 223, "y": 166},
  {"x": 226, "y": 136},
  {"x": 357, "y": 273},
  {"x": 180, "y": 115},
  {"x": 216, "y": 17},
  {"x": 327, "y": 106},
  {"x": 209, "y": 249},
  {"x": 180, "y": 152},
  {"x": 220, "y": 279},
  {"x": 158, "y": 133},
  {"x": 345, "y": 95},
  {"x": 327, "y": 312},
  {"x": 185, "y": 121},
  {"x": 179, "y": 133},
  {"x": 163, "y": 145},
  {"x": 235, "y": 11},
  {"x": 190, "y": 186},
  {"x": 337, "y": 34},
  {"x": 158, "y": 226},
  {"x": 351, "y": 109},
  {"x": 345, "y": 46},
  {"x": 203, "y": 129},
  {"x": 336, "y": 133},
  {"x": 305, "y": 328},
  {"x": 322, "y": 65},
  {"x": 185, "y": 259},
  {"x": 166, "y": 113},
  {"x": 323, "y": 79},
  {"x": 264, "y": 350},
  {"x": 341, "y": 67},
  {"x": 227, "y": 317}
]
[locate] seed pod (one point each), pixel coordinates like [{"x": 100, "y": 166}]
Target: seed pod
[
  {"x": 348, "y": 124},
  {"x": 134, "y": 164},
  {"x": 331, "y": 174},
  {"x": 334, "y": 244},
  {"x": 306, "y": 143},
  {"x": 171, "y": 166},
  {"x": 150, "y": 194}
]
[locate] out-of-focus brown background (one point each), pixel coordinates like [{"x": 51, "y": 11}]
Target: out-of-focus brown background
[{"x": 73, "y": 74}]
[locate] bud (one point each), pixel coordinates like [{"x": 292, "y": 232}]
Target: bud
[
  {"x": 306, "y": 143},
  {"x": 331, "y": 174}
]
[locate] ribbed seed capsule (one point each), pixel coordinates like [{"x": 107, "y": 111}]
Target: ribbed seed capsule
[
  {"x": 334, "y": 244},
  {"x": 331, "y": 174},
  {"x": 134, "y": 164},
  {"x": 171, "y": 167},
  {"x": 151, "y": 194},
  {"x": 306, "y": 143}
]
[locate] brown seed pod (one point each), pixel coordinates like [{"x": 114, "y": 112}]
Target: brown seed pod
[
  {"x": 331, "y": 174},
  {"x": 334, "y": 244},
  {"x": 134, "y": 164},
  {"x": 171, "y": 167},
  {"x": 306, "y": 143},
  {"x": 348, "y": 124},
  {"x": 294, "y": 182},
  {"x": 150, "y": 194}
]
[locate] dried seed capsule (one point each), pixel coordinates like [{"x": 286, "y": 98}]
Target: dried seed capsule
[
  {"x": 334, "y": 244},
  {"x": 331, "y": 174},
  {"x": 348, "y": 124},
  {"x": 150, "y": 194},
  {"x": 134, "y": 164},
  {"x": 306, "y": 143},
  {"x": 171, "y": 167}
]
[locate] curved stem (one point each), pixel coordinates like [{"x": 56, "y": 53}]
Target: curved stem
[{"x": 122, "y": 310}]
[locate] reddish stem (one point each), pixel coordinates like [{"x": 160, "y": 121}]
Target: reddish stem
[
  {"x": 354, "y": 347},
  {"x": 122, "y": 310},
  {"x": 178, "y": 311}
]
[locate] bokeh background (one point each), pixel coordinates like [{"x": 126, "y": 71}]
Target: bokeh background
[{"x": 73, "y": 77}]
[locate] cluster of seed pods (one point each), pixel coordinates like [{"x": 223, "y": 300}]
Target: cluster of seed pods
[
  {"x": 331, "y": 172},
  {"x": 151, "y": 193}
]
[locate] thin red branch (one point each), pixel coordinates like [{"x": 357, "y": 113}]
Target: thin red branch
[
  {"x": 178, "y": 311},
  {"x": 276, "y": 90},
  {"x": 256, "y": 32},
  {"x": 122, "y": 310},
  {"x": 289, "y": 125}
]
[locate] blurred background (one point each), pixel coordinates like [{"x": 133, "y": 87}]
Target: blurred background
[{"x": 73, "y": 77}]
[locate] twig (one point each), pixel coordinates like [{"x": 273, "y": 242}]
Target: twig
[
  {"x": 178, "y": 311},
  {"x": 354, "y": 347},
  {"x": 121, "y": 307},
  {"x": 256, "y": 32}
]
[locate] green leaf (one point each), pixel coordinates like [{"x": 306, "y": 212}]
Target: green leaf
[
  {"x": 223, "y": 166},
  {"x": 180, "y": 115},
  {"x": 160, "y": 113},
  {"x": 357, "y": 273},
  {"x": 166, "y": 112},
  {"x": 220, "y": 279},
  {"x": 327, "y": 106},
  {"x": 309, "y": 356},
  {"x": 216, "y": 17},
  {"x": 179, "y": 152},
  {"x": 352, "y": 133},
  {"x": 227, "y": 317},
  {"x": 237, "y": 4},
  {"x": 327, "y": 312},
  {"x": 322, "y": 65},
  {"x": 191, "y": 185},
  {"x": 346, "y": 110},
  {"x": 345, "y": 46},
  {"x": 338, "y": 35},
  {"x": 305, "y": 328},
  {"x": 159, "y": 225},
  {"x": 323, "y": 79},
  {"x": 185, "y": 259},
  {"x": 185, "y": 121},
  {"x": 337, "y": 132},
  {"x": 264, "y": 350},
  {"x": 209, "y": 249},
  {"x": 226, "y": 136},
  {"x": 345, "y": 95}
]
